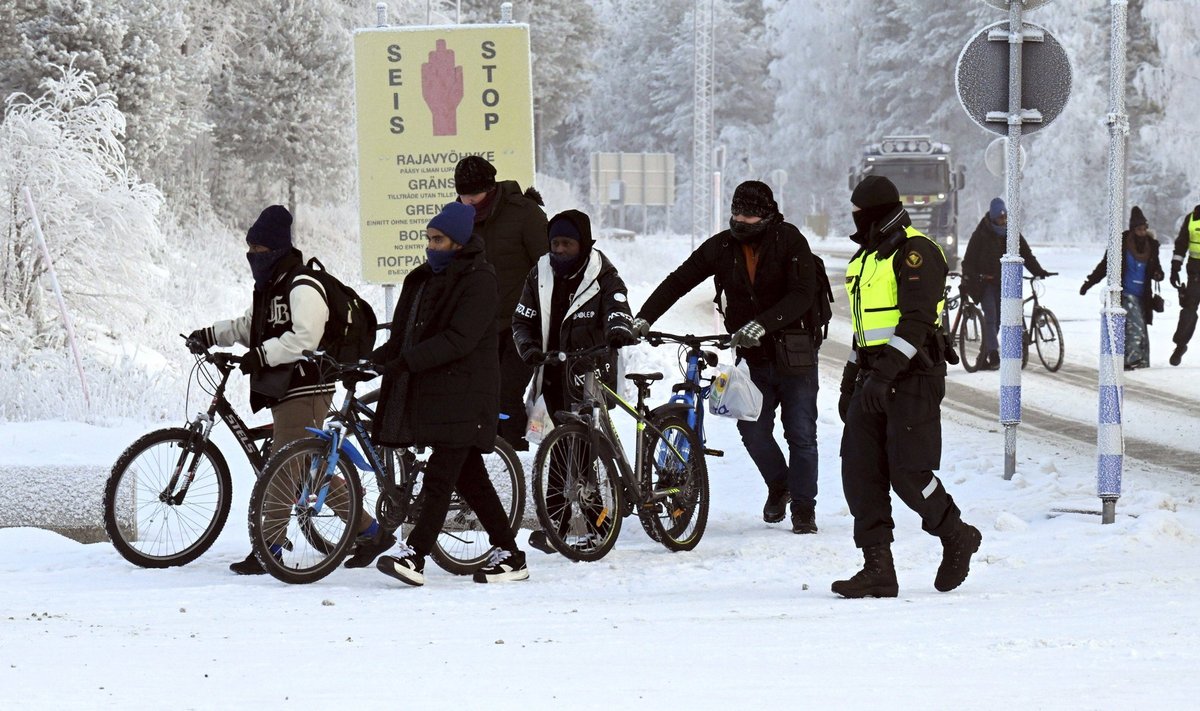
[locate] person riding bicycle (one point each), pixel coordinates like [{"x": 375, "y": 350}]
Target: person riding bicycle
[
  {"x": 573, "y": 299},
  {"x": 981, "y": 275},
  {"x": 440, "y": 389},
  {"x": 764, "y": 268},
  {"x": 287, "y": 317},
  {"x": 1139, "y": 266}
]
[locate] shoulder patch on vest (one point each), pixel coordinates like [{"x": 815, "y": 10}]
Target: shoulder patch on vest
[{"x": 913, "y": 259}]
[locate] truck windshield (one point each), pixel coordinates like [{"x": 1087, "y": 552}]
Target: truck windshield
[{"x": 916, "y": 178}]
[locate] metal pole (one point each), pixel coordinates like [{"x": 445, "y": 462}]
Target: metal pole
[
  {"x": 1012, "y": 333},
  {"x": 62, "y": 303},
  {"x": 1110, "y": 439}
]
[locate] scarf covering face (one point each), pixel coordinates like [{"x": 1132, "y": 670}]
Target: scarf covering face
[
  {"x": 439, "y": 259},
  {"x": 262, "y": 265},
  {"x": 745, "y": 232}
]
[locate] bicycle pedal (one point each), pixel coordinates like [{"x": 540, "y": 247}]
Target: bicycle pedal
[{"x": 714, "y": 452}]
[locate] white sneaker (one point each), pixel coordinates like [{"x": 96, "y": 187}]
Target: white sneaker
[
  {"x": 502, "y": 566},
  {"x": 408, "y": 567}
]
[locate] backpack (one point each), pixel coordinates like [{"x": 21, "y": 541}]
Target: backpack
[
  {"x": 821, "y": 311},
  {"x": 350, "y": 332}
]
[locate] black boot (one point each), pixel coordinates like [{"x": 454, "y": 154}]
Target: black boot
[
  {"x": 876, "y": 579},
  {"x": 804, "y": 518},
  {"x": 777, "y": 500},
  {"x": 249, "y": 566},
  {"x": 957, "y": 548},
  {"x": 1177, "y": 355}
]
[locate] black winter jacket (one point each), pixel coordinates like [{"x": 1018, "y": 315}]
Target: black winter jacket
[
  {"x": 1154, "y": 270},
  {"x": 514, "y": 236},
  {"x": 448, "y": 392},
  {"x": 981, "y": 262},
  {"x": 783, "y": 290},
  {"x": 599, "y": 307}
]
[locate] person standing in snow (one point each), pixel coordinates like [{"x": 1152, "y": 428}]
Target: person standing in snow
[
  {"x": 1187, "y": 246},
  {"x": 892, "y": 389},
  {"x": 513, "y": 227},
  {"x": 440, "y": 389},
  {"x": 287, "y": 317},
  {"x": 1139, "y": 265},
  {"x": 573, "y": 299},
  {"x": 764, "y": 268},
  {"x": 981, "y": 275}
]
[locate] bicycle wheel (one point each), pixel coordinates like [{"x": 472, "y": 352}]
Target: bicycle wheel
[
  {"x": 463, "y": 546},
  {"x": 676, "y": 474},
  {"x": 970, "y": 337},
  {"x": 298, "y": 507},
  {"x": 1048, "y": 338},
  {"x": 577, "y": 493},
  {"x": 150, "y": 519}
]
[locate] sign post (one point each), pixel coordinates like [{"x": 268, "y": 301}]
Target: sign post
[{"x": 1011, "y": 77}]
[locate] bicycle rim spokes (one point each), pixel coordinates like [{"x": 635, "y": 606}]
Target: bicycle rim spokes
[
  {"x": 155, "y": 522},
  {"x": 302, "y": 521},
  {"x": 1048, "y": 338},
  {"x": 577, "y": 493},
  {"x": 970, "y": 339},
  {"x": 676, "y": 479},
  {"x": 463, "y": 545}
]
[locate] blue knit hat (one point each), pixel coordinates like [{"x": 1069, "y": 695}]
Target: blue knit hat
[
  {"x": 272, "y": 229},
  {"x": 456, "y": 221},
  {"x": 997, "y": 209}
]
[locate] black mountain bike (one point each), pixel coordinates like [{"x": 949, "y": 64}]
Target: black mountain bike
[
  {"x": 1041, "y": 330},
  {"x": 583, "y": 485},
  {"x": 966, "y": 331},
  {"x": 310, "y": 496},
  {"x": 168, "y": 495}
]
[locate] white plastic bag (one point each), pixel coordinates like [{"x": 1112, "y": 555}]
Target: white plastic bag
[
  {"x": 540, "y": 421},
  {"x": 734, "y": 394}
]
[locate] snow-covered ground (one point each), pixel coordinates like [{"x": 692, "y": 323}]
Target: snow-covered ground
[{"x": 1059, "y": 611}]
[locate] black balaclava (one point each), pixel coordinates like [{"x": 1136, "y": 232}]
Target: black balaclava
[
  {"x": 876, "y": 197},
  {"x": 273, "y": 230},
  {"x": 753, "y": 199},
  {"x": 575, "y": 225}
]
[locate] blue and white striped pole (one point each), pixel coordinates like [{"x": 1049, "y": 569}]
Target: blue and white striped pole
[
  {"x": 1110, "y": 441},
  {"x": 1012, "y": 344}
]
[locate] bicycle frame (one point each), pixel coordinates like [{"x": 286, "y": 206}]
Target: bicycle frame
[{"x": 692, "y": 392}]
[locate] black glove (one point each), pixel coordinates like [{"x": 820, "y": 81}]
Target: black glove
[
  {"x": 877, "y": 390},
  {"x": 849, "y": 377},
  {"x": 534, "y": 356},
  {"x": 1175, "y": 280},
  {"x": 640, "y": 327},
  {"x": 619, "y": 338},
  {"x": 369, "y": 372},
  {"x": 1084, "y": 289},
  {"x": 200, "y": 340},
  {"x": 1043, "y": 275},
  {"x": 252, "y": 362}
]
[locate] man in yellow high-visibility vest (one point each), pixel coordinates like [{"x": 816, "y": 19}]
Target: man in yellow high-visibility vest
[
  {"x": 892, "y": 389},
  {"x": 1187, "y": 248}
]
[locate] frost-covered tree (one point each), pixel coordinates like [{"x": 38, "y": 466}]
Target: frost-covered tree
[
  {"x": 99, "y": 222},
  {"x": 281, "y": 105}
]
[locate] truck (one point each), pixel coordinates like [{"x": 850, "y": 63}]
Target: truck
[{"x": 924, "y": 172}]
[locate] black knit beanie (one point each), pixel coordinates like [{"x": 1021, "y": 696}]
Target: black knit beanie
[
  {"x": 1136, "y": 218},
  {"x": 472, "y": 175},
  {"x": 754, "y": 199},
  {"x": 272, "y": 229}
]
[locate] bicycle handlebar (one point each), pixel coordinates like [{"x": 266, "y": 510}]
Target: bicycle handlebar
[
  {"x": 221, "y": 359},
  {"x": 657, "y": 338},
  {"x": 564, "y": 356},
  {"x": 336, "y": 369}
]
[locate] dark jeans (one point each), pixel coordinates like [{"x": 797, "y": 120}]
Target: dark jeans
[
  {"x": 795, "y": 396},
  {"x": 989, "y": 300},
  {"x": 451, "y": 468},
  {"x": 514, "y": 378}
]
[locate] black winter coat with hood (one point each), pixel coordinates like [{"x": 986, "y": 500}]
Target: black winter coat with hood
[
  {"x": 981, "y": 261},
  {"x": 441, "y": 382},
  {"x": 514, "y": 237}
]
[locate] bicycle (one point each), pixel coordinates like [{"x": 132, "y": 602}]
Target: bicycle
[
  {"x": 1041, "y": 329},
  {"x": 688, "y": 397},
  {"x": 966, "y": 332},
  {"x": 583, "y": 484},
  {"x": 309, "y": 497},
  {"x": 168, "y": 495}
]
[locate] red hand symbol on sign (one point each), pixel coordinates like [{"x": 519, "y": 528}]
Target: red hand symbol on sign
[{"x": 442, "y": 88}]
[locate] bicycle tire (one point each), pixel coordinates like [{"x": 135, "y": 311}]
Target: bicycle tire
[
  {"x": 678, "y": 519},
  {"x": 315, "y": 541},
  {"x": 970, "y": 337},
  {"x": 463, "y": 547},
  {"x": 1048, "y": 338},
  {"x": 157, "y": 534},
  {"x": 584, "y": 532}
]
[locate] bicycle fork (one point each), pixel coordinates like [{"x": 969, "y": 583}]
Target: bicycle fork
[{"x": 199, "y": 430}]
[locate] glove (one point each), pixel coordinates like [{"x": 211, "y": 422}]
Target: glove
[
  {"x": 393, "y": 367},
  {"x": 640, "y": 327},
  {"x": 369, "y": 372},
  {"x": 619, "y": 338},
  {"x": 534, "y": 356},
  {"x": 252, "y": 362},
  {"x": 1175, "y": 280},
  {"x": 200, "y": 340},
  {"x": 849, "y": 377},
  {"x": 747, "y": 336},
  {"x": 877, "y": 390},
  {"x": 1043, "y": 275},
  {"x": 1084, "y": 289}
]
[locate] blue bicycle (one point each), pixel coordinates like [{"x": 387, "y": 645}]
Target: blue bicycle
[{"x": 687, "y": 399}]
